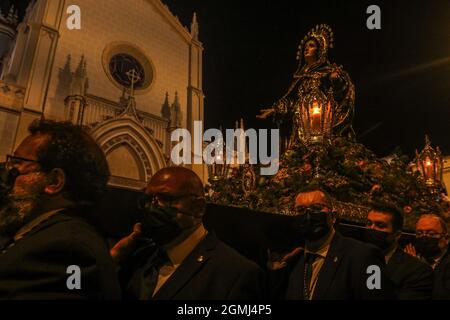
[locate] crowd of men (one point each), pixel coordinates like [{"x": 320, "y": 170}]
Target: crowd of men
[{"x": 52, "y": 183}]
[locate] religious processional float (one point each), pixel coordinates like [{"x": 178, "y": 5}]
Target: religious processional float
[{"x": 319, "y": 147}]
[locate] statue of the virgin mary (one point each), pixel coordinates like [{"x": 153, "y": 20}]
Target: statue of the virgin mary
[{"x": 314, "y": 72}]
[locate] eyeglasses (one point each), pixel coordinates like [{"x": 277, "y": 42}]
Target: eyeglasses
[
  {"x": 164, "y": 198},
  {"x": 312, "y": 209},
  {"x": 430, "y": 234},
  {"x": 14, "y": 161}
]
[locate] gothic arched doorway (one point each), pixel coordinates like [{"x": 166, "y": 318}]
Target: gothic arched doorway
[{"x": 132, "y": 153}]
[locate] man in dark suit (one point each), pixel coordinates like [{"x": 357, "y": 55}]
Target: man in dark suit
[
  {"x": 173, "y": 256},
  {"x": 330, "y": 266},
  {"x": 48, "y": 250},
  {"x": 413, "y": 279},
  {"x": 431, "y": 245},
  {"x": 441, "y": 288}
]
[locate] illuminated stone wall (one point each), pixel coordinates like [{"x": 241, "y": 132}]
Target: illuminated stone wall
[{"x": 48, "y": 62}]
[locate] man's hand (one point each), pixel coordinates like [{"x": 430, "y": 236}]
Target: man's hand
[
  {"x": 409, "y": 249},
  {"x": 334, "y": 75},
  {"x": 126, "y": 245},
  {"x": 265, "y": 113},
  {"x": 279, "y": 260}
]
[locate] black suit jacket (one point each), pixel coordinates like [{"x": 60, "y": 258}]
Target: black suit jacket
[
  {"x": 212, "y": 271},
  {"x": 412, "y": 278},
  {"x": 441, "y": 287},
  {"x": 343, "y": 275},
  {"x": 35, "y": 267}
]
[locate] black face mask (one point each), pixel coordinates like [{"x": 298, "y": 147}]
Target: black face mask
[
  {"x": 313, "y": 225},
  {"x": 7, "y": 180},
  {"x": 160, "y": 224},
  {"x": 381, "y": 239},
  {"x": 427, "y": 247}
]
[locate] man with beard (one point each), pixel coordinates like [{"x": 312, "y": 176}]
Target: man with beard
[
  {"x": 183, "y": 260},
  {"x": 331, "y": 267},
  {"x": 48, "y": 249},
  {"x": 413, "y": 279},
  {"x": 431, "y": 245}
]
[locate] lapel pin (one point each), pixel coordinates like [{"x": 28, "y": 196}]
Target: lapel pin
[
  {"x": 200, "y": 259},
  {"x": 335, "y": 259}
]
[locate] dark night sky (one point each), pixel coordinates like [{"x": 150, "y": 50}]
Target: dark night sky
[
  {"x": 250, "y": 49},
  {"x": 401, "y": 73}
]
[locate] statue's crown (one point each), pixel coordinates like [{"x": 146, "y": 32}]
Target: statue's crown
[{"x": 323, "y": 34}]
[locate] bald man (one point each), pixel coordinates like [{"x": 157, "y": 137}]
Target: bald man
[
  {"x": 331, "y": 267},
  {"x": 431, "y": 244},
  {"x": 188, "y": 262}
]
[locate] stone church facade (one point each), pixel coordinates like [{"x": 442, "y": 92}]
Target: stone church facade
[{"x": 83, "y": 76}]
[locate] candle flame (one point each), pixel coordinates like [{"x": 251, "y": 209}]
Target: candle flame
[{"x": 316, "y": 109}]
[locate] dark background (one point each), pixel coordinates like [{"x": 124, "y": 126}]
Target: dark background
[{"x": 401, "y": 72}]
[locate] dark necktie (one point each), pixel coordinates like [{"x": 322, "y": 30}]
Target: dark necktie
[
  {"x": 150, "y": 273},
  {"x": 309, "y": 260}
]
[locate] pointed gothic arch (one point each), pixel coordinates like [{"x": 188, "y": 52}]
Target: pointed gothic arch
[{"x": 132, "y": 152}]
